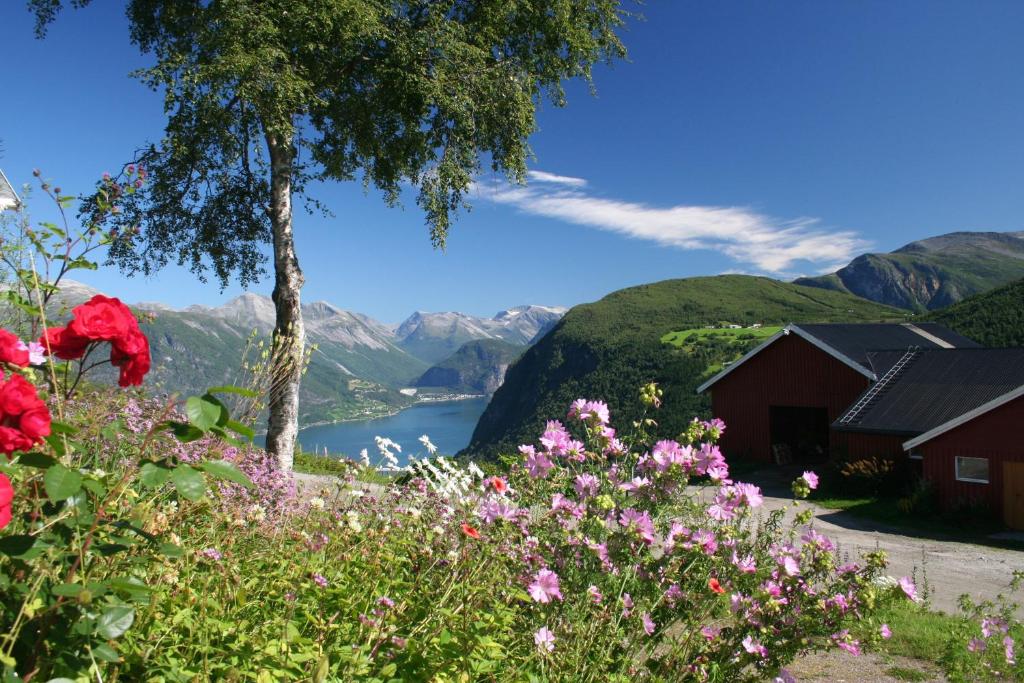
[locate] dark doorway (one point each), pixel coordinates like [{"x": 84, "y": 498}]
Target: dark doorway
[{"x": 799, "y": 435}]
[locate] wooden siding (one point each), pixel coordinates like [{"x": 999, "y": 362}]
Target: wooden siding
[
  {"x": 997, "y": 435},
  {"x": 863, "y": 445},
  {"x": 791, "y": 372}
]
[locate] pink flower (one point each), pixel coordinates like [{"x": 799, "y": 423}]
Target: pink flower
[
  {"x": 639, "y": 523},
  {"x": 648, "y": 623},
  {"x": 544, "y": 639},
  {"x": 537, "y": 464},
  {"x": 754, "y": 647},
  {"x": 627, "y": 605},
  {"x": 750, "y": 494},
  {"x": 211, "y": 554},
  {"x": 319, "y": 580},
  {"x": 709, "y": 632},
  {"x": 1008, "y": 650},
  {"x": 544, "y": 586},
  {"x": 908, "y": 587},
  {"x": 745, "y": 564},
  {"x": 977, "y": 645},
  {"x": 990, "y": 626},
  {"x": 885, "y": 632},
  {"x": 586, "y": 485},
  {"x": 811, "y": 479},
  {"x": 595, "y": 594},
  {"x": 791, "y": 566}
]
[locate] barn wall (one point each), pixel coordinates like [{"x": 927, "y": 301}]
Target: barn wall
[
  {"x": 858, "y": 445},
  {"x": 790, "y": 372},
  {"x": 996, "y": 435}
]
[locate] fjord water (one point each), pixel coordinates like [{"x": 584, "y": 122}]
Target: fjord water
[{"x": 449, "y": 425}]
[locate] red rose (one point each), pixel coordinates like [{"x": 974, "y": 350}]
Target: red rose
[
  {"x": 6, "y": 496},
  {"x": 133, "y": 366},
  {"x": 103, "y": 318},
  {"x": 64, "y": 343},
  {"x": 17, "y": 396},
  {"x": 12, "y": 440},
  {"x": 12, "y": 350},
  {"x": 35, "y": 423}
]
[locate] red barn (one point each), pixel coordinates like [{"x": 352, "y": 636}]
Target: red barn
[
  {"x": 960, "y": 413},
  {"x": 780, "y": 400}
]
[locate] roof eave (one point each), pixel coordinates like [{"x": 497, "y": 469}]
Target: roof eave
[{"x": 965, "y": 418}]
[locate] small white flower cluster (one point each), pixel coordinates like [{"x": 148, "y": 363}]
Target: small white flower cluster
[
  {"x": 385, "y": 446},
  {"x": 447, "y": 479}
]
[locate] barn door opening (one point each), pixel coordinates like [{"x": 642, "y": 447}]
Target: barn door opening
[{"x": 798, "y": 434}]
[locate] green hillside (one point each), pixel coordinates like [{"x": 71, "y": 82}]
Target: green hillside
[
  {"x": 933, "y": 273},
  {"x": 607, "y": 349},
  {"x": 994, "y": 318},
  {"x": 478, "y": 366}
]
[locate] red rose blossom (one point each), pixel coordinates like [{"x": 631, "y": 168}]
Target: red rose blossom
[
  {"x": 133, "y": 366},
  {"x": 6, "y": 496},
  {"x": 12, "y": 350},
  {"x": 63, "y": 343},
  {"x": 24, "y": 418},
  {"x": 102, "y": 318}
]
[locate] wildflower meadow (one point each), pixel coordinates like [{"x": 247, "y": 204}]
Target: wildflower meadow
[{"x": 145, "y": 538}]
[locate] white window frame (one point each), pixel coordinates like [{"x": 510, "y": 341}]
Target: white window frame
[{"x": 956, "y": 466}]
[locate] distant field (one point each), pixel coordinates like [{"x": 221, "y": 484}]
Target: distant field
[{"x": 688, "y": 337}]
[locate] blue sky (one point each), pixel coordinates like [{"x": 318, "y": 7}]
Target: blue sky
[{"x": 775, "y": 138}]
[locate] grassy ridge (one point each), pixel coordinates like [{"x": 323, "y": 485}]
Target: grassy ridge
[
  {"x": 995, "y": 318},
  {"x": 607, "y": 349}
]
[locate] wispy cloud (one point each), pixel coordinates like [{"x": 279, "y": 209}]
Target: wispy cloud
[{"x": 769, "y": 244}]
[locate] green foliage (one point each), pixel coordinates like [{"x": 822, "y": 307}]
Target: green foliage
[
  {"x": 994, "y": 319},
  {"x": 604, "y": 348},
  {"x": 473, "y": 368}
]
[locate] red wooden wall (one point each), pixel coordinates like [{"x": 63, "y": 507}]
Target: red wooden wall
[
  {"x": 790, "y": 372},
  {"x": 997, "y": 435}
]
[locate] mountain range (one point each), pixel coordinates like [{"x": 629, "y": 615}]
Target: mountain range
[
  {"x": 358, "y": 366},
  {"x": 932, "y": 273}
]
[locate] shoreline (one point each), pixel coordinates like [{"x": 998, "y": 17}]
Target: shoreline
[{"x": 446, "y": 398}]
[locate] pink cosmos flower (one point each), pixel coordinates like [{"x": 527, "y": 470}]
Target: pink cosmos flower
[
  {"x": 544, "y": 639},
  {"x": 811, "y": 479},
  {"x": 790, "y": 565},
  {"x": 639, "y": 523},
  {"x": 990, "y": 626},
  {"x": 750, "y": 494},
  {"x": 595, "y": 595},
  {"x": 745, "y": 564},
  {"x": 908, "y": 587},
  {"x": 648, "y": 623},
  {"x": 586, "y": 485},
  {"x": 544, "y": 586},
  {"x": 754, "y": 647},
  {"x": 710, "y": 632},
  {"x": 885, "y": 631},
  {"x": 537, "y": 464}
]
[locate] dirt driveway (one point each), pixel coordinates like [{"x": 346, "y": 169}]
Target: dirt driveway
[{"x": 950, "y": 567}]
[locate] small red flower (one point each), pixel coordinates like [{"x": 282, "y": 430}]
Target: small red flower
[
  {"x": 499, "y": 484},
  {"x": 470, "y": 531},
  {"x": 715, "y": 586},
  {"x": 12, "y": 350}
]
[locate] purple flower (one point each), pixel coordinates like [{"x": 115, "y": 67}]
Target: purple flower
[
  {"x": 385, "y": 601},
  {"x": 544, "y": 639},
  {"x": 648, "y": 623},
  {"x": 211, "y": 554},
  {"x": 586, "y": 485},
  {"x": 595, "y": 594},
  {"x": 492, "y": 510},
  {"x": 908, "y": 587},
  {"x": 1008, "y": 650},
  {"x": 885, "y": 631},
  {"x": 754, "y": 647},
  {"x": 627, "y": 605},
  {"x": 319, "y": 580},
  {"x": 639, "y": 523},
  {"x": 811, "y": 479},
  {"x": 544, "y": 586},
  {"x": 744, "y": 564},
  {"x": 537, "y": 464},
  {"x": 790, "y": 565},
  {"x": 977, "y": 645},
  {"x": 990, "y": 626}
]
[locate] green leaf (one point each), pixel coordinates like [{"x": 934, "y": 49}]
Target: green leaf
[
  {"x": 67, "y": 590},
  {"x": 38, "y": 460},
  {"x": 115, "y": 621},
  {"x": 205, "y": 412},
  {"x": 248, "y": 393},
  {"x": 105, "y": 653},
  {"x": 56, "y": 442},
  {"x": 61, "y": 428},
  {"x": 222, "y": 469},
  {"x": 184, "y": 432},
  {"x": 16, "y": 545},
  {"x": 189, "y": 481},
  {"x": 111, "y": 431},
  {"x": 61, "y": 483},
  {"x": 153, "y": 476},
  {"x": 171, "y": 550},
  {"x": 239, "y": 428}
]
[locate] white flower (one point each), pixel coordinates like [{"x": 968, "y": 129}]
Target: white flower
[
  {"x": 317, "y": 503},
  {"x": 364, "y": 457},
  {"x": 352, "y": 519},
  {"x": 431, "y": 448}
]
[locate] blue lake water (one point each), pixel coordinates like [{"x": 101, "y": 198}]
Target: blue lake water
[{"x": 449, "y": 425}]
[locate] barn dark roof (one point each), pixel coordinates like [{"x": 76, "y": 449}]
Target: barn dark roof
[
  {"x": 925, "y": 389},
  {"x": 852, "y": 343},
  {"x": 857, "y": 341}
]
